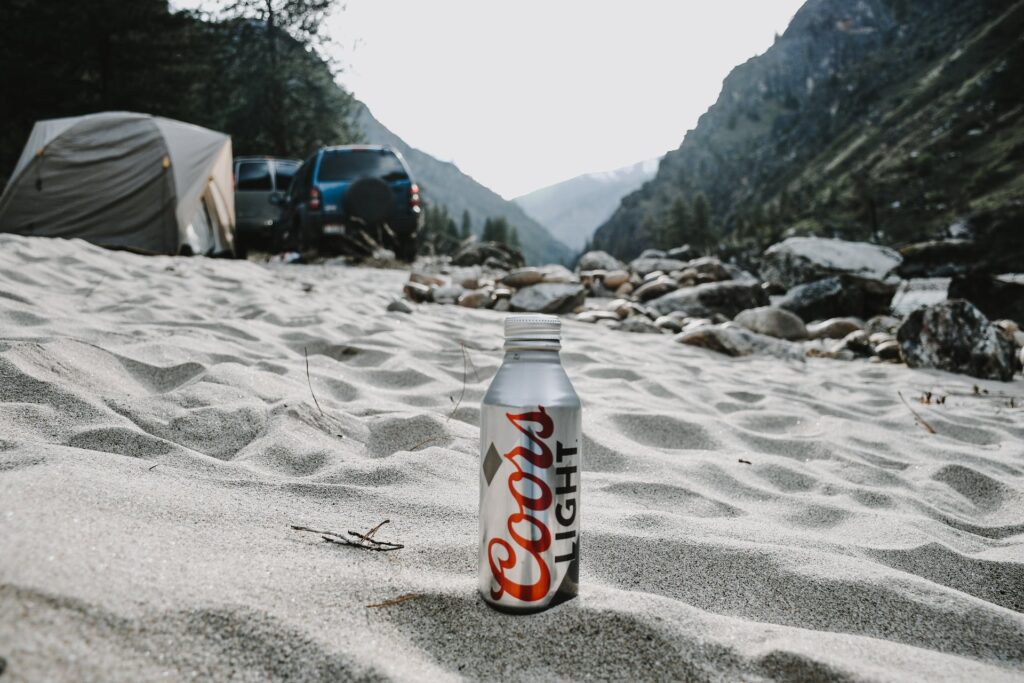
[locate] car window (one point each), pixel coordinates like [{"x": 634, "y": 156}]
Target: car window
[
  {"x": 253, "y": 175},
  {"x": 301, "y": 181},
  {"x": 360, "y": 163},
  {"x": 284, "y": 171}
]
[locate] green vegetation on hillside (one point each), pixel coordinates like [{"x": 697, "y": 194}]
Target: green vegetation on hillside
[{"x": 882, "y": 120}]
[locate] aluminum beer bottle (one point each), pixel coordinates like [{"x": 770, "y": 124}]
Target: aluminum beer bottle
[{"x": 530, "y": 465}]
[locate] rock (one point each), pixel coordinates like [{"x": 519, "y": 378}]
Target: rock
[
  {"x": 448, "y": 294},
  {"x": 625, "y": 289},
  {"x": 955, "y": 336},
  {"x": 621, "y": 307},
  {"x": 557, "y": 273},
  {"x": 549, "y": 297},
  {"x": 492, "y": 254},
  {"x": 856, "y": 342},
  {"x": 799, "y": 260},
  {"x": 399, "y": 306},
  {"x": 425, "y": 279},
  {"x": 594, "y": 316},
  {"x": 839, "y": 296},
  {"x": 470, "y": 283},
  {"x": 652, "y": 253},
  {"x": 683, "y": 253},
  {"x": 614, "y": 279},
  {"x": 994, "y": 296},
  {"x": 416, "y": 291},
  {"x": 710, "y": 268},
  {"x": 833, "y": 328},
  {"x": 773, "y": 321},
  {"x": 599, "y": 260},
  {"x": 502, "y": 293},
  {"x": 888, "y": 350},
  {"x": 918, "y": 292},
  {"x": 727, "y": 298},
  {"x": 833, "y": 354},
  {"x": 522, "y": 277},
  {"x": 733, "y": 340},
  {"x": 644, "y": 265},
  {"x": 639, "y": 324},
  {"x": 502, "y": 305},
  {"x": 882, "y": 323},
  {"x": 654, "y": 288},
  {"x": 670, "y": 323},
  {"x": 939, "y": 258},
  {"x": 479, "y": 298},
  {"x": 879, "y": 338}
]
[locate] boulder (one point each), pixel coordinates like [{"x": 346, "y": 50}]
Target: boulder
[
  {"x": 638, "y": 323},
  {"x": 799, "y": 260},
  {"x": 994, "y": 296},
  {"x": 727, "y": 298},
  {"x": 839, "y": 296},
  {"x": 773, "y": 321},
  {"x": 599, "y": 260},
  {"x": 939, "y": 258},
  {"x": 644, "y": 265},
  {"x": 557, "y": 273},
  {"x": 955, "y": 336},
  {"x": 709, "y": 269},
  {"x": 416, "y": 291},
  {"x": 549, "y": 297},
  {"x": 522, "y": 277},
  {"x": 833, "y": 328},
  {"x": 492, "y": 254},
  {"x": 652, "y": 289},
  {"x": 733, "y": 340}
]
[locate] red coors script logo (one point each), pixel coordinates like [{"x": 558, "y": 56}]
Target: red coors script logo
[{"x": 538, "y": 455}]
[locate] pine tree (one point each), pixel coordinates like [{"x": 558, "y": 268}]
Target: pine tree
[
  {"x": 677, "y": 231},
  {"x": 467, "y": 226},
  {"x": 702, "y": 233},
  {"x": 513, "y": 238}
]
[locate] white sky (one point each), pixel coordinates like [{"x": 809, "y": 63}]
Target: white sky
[{"x": 524, "y": 94}]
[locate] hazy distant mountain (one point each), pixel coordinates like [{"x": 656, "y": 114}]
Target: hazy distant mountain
[
  {"x": 572, "y": 209},
  {"x": 444, "y": 183}
]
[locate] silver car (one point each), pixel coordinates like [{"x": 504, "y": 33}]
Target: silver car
[{"x": 260, "y": 184}]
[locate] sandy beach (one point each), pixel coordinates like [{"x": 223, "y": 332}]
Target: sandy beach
[{"x": 743, "y": 518}]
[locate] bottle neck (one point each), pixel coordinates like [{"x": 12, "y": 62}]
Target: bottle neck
[{"x": 532, "y": 350}]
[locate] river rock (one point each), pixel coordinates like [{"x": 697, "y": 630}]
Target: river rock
[
  {"x": 833, "y": 328},
  {"x": 773, "y": 321},
  {"x": 957, "y": 337},
  {"x": 478, "y": 298},
  {"x": 594, "y": 316},
  {"x": 599, "y": 260},
  {"x": 670, "y": 323},
  {"x": 799, "y": 260},
  {"x": 734, "y": 340},
  {"x": 727, "y": 298},
  {"x": 416, "y": 291},
  {"x": 491, "y": 254},
  {"x": 994, "y": 296},
  {"x": 839, "y": 296},
  {"x": 399, "y": 306},
  {"x": 882, "y": 323},
  {"x": 522, "y": 277},
  {"x": 709, "y": 269},
  {"x": 644, "y": 265},
  {"x": 888, "y": 350},
  {"x": 939, "y": 258},
  {"x": 549, "y": 297},
  {"x": 425, "y": 279},
  {"x": 447, "y": 294},
  {"x": 652, "y": 289},
  {"x": 856, "y": 342},
  {"x": 614, "y": 279},
  {"x": 640, "y": 324},
  {"x": 683, "y": 253},
  {"x": 558, "y": 273}
]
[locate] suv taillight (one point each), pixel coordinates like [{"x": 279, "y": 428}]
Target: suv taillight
[
  {"x": 414, "y": 196},
  {"x": 314, "y": 198}
]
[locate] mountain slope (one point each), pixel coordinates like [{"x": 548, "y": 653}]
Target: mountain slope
[
  {"x": 885, "y": 120},
  {"x": 574, "y": 208},
  {"x": 444, "y": 183}
]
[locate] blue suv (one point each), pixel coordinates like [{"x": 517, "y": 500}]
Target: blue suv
[{"x": 350, "y": 198}]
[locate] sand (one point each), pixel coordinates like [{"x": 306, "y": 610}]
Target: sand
[{"x": 158, "y": 437}]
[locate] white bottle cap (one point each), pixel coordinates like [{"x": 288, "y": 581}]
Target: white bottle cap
[{"x": 532, "y": 327}]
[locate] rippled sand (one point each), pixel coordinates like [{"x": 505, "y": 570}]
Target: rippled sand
[{"x": 158, "y": 437}]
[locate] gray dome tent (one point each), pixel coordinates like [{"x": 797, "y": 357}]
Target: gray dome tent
[{"x": 124, "y": 180}]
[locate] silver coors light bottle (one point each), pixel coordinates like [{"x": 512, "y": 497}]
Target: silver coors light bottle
[{"x": 530, "y": 462}]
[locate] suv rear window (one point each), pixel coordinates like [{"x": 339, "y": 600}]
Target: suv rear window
[
  {"x": 253, "y": 175},
  {"x": 360, "y": 163},
  {"x": 284, "y": 171}
]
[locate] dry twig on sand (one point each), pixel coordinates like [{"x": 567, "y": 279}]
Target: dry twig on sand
[
  {"x": 920, "y": 420},
  {"x": 305, "y": 353},
  {"x": 466, "y": 362},
  {"x": 365, "y": 541},
  {"x": 397, "y": 601}
]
